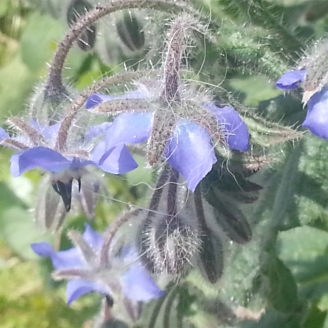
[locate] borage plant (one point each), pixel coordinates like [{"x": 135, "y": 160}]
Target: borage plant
[{"x": 194, "y": 249}]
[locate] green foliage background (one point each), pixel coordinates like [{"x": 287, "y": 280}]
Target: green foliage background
[{"x": 281, "y": 276}]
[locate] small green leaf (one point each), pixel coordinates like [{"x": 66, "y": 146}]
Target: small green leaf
[
  {"x": 314, "y": 318},
  {"x": 304, "y": 250},
  {"x": 19, "y": 231},
  {"x": 16, "y": 83},
  {"x": 283, "y": 289},
  {"x": 38, "y": 41},
  {"x": 257, "y": 88}
]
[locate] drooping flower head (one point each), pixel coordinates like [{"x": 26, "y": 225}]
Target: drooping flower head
[
  {"x": 312, "y": 76},
  {"x": 179, "y": 123},
  {"x": 85, "y": 272},
  {"x": 188, "y": 148},
  {"x": 180, "y": 228},
  {"x": 36, "y": 147}
]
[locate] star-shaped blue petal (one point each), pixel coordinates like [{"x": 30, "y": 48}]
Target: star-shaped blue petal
[
  {"x": 78, "y": 287},
  {"x": 136, "y": 284},
  {"x": 116, "y": 160}
]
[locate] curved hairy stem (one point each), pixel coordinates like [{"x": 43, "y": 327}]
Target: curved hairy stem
[
  {"x": 81, "y": 99},
  {"x": 54, "y": 85},
  {"x": 110, "y": 234}
]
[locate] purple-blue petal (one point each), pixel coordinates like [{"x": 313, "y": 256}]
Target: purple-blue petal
[
  {"x": 92, "y": 237},
  {"x": 317, "y": 114},
  {"x": 78, "y": 163},
  {"x": 291, "y": 79},
  {"x": 190, "y": 152},
  {"x": 42, "y": 249},
  {"x": 232, "y": 125},
  {"x": 49, "y": 132},
  {"x": 3, "y": 134},
  {"x": 35, "y": 125},
  {"x": 97, "y": 98},
  {"x": 129, "y": 253},
  {"x": 78, "y": 287},
  {"x": 111, "y": 155},
  {"x": 129, "y": 128},
  {"x": 134, "y": 94},
  {"x": 98, "y": 152},
  {"x": 116, "y": 160},
  {"x": 137, "y": 285},
  {"x": 38, "y": 157},
  {"x": 96, "y": 130},
  {"x": 69, "y": 258}
]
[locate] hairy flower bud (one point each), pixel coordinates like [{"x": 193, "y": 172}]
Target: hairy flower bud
[
  {"x": 311, "y": 72},
  {"x": 75, "y": 10},
  {"x": 46, "y": 105},
  {"x": 168, "y": 244},
  {"x": 169, "y": 235},
  {"x": 130, "y": 31}
]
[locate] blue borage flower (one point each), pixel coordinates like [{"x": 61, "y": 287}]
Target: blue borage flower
[
  {"x": 87, "y": 276},
  {"x": 36, "y": 149},
  {"x": 316, "y": 119},
  {"x": 189, "y": 150}
]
